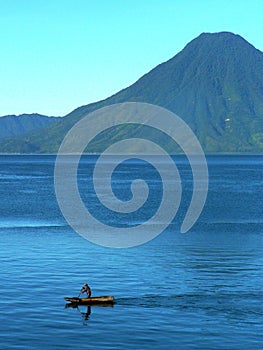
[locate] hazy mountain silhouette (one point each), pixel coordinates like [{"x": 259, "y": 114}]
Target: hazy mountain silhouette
[{"x": 13, "y": 125}]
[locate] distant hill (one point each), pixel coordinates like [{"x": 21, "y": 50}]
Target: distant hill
[
  {"x": 13, "y": 126},
  {"x": 215, "y": 84}
]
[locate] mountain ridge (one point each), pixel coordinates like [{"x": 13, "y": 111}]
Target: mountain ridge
[
  {"x": 215, "y": 84},
  {"x": 14, "y": 125}
]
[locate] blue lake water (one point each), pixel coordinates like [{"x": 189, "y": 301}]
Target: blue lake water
[{"x": 200, "y": 290}]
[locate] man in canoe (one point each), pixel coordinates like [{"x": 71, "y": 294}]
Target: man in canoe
[{"x": 85, "y": 289}]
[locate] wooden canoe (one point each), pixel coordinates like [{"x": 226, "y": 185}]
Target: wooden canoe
[{"x": 91, "y": 301}]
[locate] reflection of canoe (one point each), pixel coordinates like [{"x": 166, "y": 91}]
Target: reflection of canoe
[
  {"x": 92, "y": 300},
  {"x": 76, "y": 305}
]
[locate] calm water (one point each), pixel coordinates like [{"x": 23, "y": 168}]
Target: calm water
[{"x": 200, "y": 290}]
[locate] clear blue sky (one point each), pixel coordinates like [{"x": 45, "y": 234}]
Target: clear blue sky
[{"x": 57, "y": 55}]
